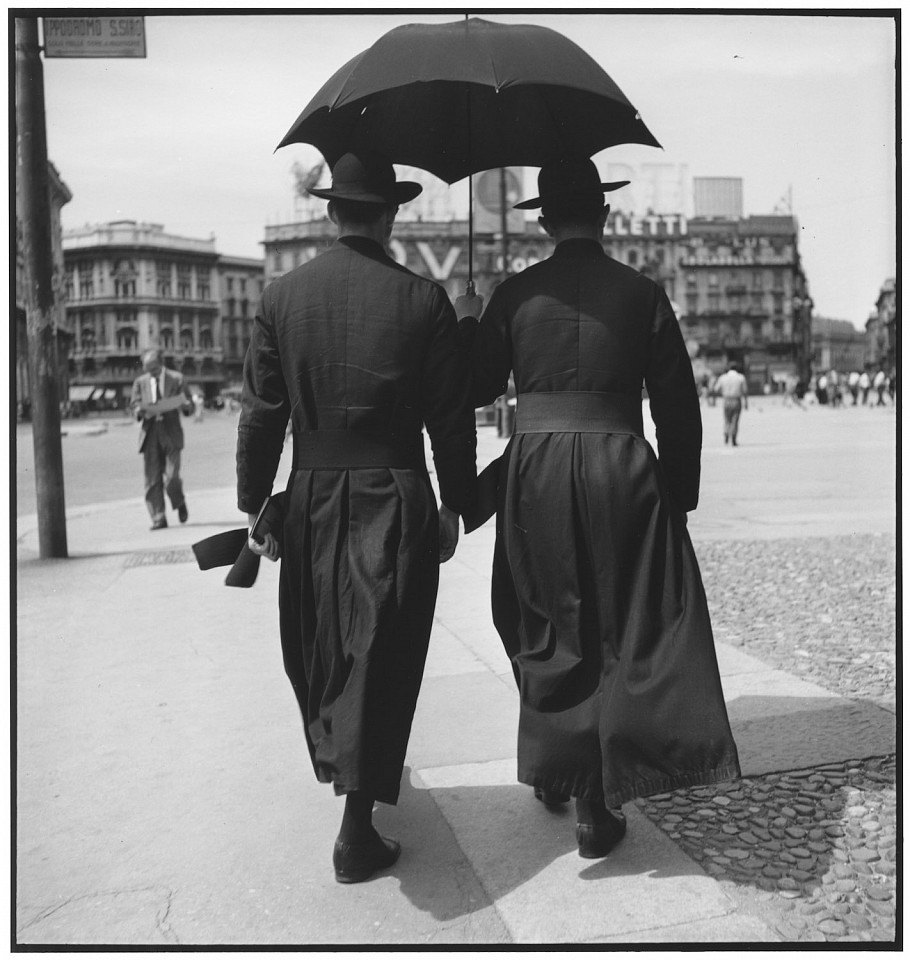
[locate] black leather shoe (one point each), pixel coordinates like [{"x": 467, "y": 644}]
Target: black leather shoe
[
  {"x": 598, "y": 839},
  {"x": 550, "y": 799},
  {"x": 356, "y": 862},
  {"x": 182, "y": 512},
  {"x": 158, "y": 524}
]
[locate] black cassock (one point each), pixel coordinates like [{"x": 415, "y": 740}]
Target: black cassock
[
  {"x": 361, "y": 354},
  {"x": 596, "y": 590}
]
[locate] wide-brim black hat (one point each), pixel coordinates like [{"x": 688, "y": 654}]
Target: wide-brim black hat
[
  {"x": 367, "y": 178},
  {"x": 569, "y": 180}
]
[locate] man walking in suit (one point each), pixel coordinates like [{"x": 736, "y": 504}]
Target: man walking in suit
[
  {"x": 360, "y": 354},
  {"x": 161, "y": 435}
]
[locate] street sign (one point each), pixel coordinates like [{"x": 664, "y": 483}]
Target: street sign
[{"x": 94, "y": 36}]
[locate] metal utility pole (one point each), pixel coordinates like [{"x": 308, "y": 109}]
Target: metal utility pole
[{"x": 33, "y": 202}]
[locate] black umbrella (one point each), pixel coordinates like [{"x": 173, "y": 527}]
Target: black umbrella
[{"x": 458, "y": 98}]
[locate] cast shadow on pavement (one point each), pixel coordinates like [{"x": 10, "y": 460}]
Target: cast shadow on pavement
[{"x": 466, "y": 847}]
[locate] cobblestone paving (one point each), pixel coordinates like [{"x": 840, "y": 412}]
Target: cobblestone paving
[
  {"x": 813, "y": 852},
  {"x": 821, "y": 608}
]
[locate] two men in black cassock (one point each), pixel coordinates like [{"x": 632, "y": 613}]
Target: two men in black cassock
[{"x": 596, "y": 589}]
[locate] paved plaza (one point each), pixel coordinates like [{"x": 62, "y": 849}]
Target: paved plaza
[{"x": 165, "y": 796}]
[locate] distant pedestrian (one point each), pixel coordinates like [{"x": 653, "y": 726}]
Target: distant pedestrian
[
  {"x": 161, "y": 435},
  {"x": 853, "y": 386},
  {"x": 794, "y": 391},
  {"x": 835, "y": 389},
  {"x": 734, "y": 390},
  {"x": 892, "y": 388},
  {"x": 879, "y": 382},
  {"x": 865, "y": 385},
  {"x": 821, "y": 389},
  {"x": 198, "y": 404}
]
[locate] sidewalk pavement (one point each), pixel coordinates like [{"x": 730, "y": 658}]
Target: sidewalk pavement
[{"x": 165, "y": 796}]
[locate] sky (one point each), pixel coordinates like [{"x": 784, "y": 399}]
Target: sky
[{"x": 796, "y": 105}]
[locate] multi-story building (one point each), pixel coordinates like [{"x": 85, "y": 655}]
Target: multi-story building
[
  {"x": 131, "y": 286},
  {"x": 733, "y": 282},
  {"x": 837, "y": 345},
  {"x": 881, "y": 329},
  {"x": 240, "y": 286},
  {"x": 59, "y": 196},
  {"x": 744, "y": 295}
]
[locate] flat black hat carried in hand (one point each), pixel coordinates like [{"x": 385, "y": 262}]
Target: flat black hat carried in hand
[
  {"x": 367, "y": 178},
  {"x": 569, "y": 180}
]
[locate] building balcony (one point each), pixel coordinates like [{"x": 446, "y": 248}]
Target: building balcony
[
  {"x": 144, "y": 300},
  {"x": 214, "y": 354}
]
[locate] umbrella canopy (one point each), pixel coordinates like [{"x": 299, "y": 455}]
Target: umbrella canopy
[{"x": 458, "y": 98}]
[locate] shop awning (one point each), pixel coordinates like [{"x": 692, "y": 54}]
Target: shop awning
[{"x": 80, "y": 392}]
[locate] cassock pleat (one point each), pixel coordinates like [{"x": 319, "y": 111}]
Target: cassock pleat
[
  {"x": 599, "y": 600},
  {"x": 358, "y": 588}
]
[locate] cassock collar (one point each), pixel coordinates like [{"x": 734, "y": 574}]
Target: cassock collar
[
  {"x": 369, "y": 248},
  {"x": 578, "y": 246}
]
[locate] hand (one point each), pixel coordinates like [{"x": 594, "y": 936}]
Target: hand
[
  {"x": 268, "y": 548},
  {"x": 448, "y": 533},
  {"x": 469, "y": 305}
]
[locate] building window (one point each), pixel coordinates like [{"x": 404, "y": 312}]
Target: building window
[
  {"x": 186, "y": 338},
  {"x": 691, "y": 280},
  {"x": 713, "y": 302},
  {"x": 712, "y": 279},
  {"x": 127, "y": 341},
  {"x": 163, "y": 279},
  {"x": 758, "y": 279},
  {"x": 245, "y": 309},
  {"x": 633, "y": 258},
  {"x": 691, "y": 303},
  {"x": 86, "y": 281},
  {"x": 167, "y": 338},
  {"x": 242, "y": 286},
  {"x": 205, "y": 338},
  {"x": 87, "y": 337},
  {"x": 183, "y": 281},
  {"x": 278, "y": 261},
  {"x": 229, "y": 284},
  {"x": 231, "y": 306},
  {"x": 202, "y": 289},
  {"x": 125, "y": 279}
]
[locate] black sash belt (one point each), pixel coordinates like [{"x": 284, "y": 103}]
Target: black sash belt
[
  {"x": 349, "y": 450},
  {"x": 577, "y": 412}
]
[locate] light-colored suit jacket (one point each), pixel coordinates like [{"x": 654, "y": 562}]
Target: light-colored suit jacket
[{"x": 168, "y": 423}]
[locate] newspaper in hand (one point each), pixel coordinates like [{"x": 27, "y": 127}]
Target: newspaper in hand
[{"x": 165, "y": 405}]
